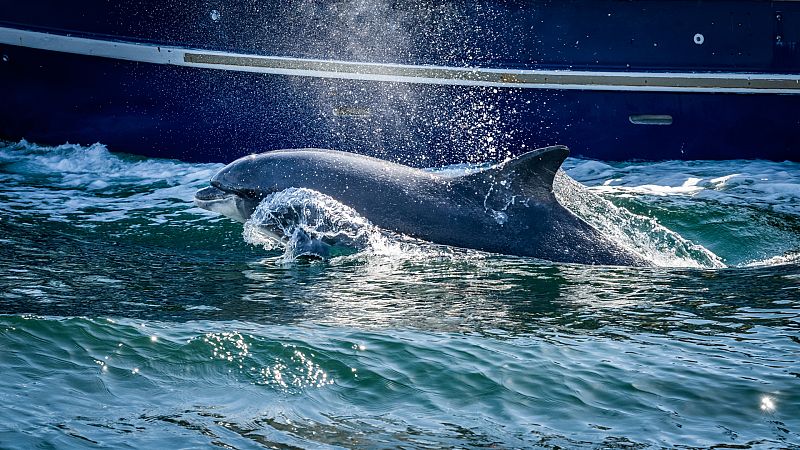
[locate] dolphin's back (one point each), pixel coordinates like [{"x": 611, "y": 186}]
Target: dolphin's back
[{"x": 532, "y": 173}]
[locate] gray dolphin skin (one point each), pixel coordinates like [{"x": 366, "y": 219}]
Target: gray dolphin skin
[{"x": 508, "y": 208}]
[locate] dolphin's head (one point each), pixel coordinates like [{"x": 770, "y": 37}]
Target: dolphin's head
[
  {"x": 226, "y": 203},
  {"x": 239, "y": 187}
]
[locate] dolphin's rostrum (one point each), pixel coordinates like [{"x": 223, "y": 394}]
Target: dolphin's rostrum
[{"x": 508, "y": 208}]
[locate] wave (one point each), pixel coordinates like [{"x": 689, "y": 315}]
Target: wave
[
  {"x": 779, "y": 260},
  {"x": 240, "y": 384},
  {"x": 91, "y": 184}
]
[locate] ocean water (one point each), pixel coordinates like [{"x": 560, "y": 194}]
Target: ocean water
[{"x": 132, "y": 319}]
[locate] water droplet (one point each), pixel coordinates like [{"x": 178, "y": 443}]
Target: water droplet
[{"x": 215, "y": 15}]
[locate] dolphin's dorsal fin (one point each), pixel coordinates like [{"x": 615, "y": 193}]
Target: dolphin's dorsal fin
[{"x": 532, "y": 172}]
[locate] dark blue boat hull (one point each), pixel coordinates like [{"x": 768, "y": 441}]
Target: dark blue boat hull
[
  {"x": 738, "y": 35},
  {"x": 208, "y": 114}
]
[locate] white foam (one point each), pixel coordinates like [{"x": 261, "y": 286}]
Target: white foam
[
  {"x": 94, "y": 185},
  {"x": 789, "y": 258},
  {"x": 766, "y": 184},
  {"x": 282, "y": 217},
  {"x": 279, "y": 218}
]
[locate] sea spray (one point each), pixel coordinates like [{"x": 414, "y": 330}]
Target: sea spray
[
  {"x": 641, "y": 235},
  {"x": 290, "y": 217}
]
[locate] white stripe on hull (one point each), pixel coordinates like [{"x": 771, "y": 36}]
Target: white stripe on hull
[{"x": 741, "y": 83}]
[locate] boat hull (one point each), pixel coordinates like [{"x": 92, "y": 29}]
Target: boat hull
[{"x": 217, "y": 105}]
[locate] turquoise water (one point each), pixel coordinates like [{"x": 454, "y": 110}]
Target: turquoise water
[{"x": 132, "y": 319}]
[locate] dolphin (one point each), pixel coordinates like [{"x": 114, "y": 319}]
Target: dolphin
[{"x": 508, "y": 208}]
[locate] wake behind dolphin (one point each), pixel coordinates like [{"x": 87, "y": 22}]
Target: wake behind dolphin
[{"x": 509, "y": 208}]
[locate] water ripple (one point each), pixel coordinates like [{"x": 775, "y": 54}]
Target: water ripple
[{"x": 130, "y": 319}]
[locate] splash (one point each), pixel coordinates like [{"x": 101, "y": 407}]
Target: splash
[
  {"x": 638, "y": 234},
  {"x": 308, "y": 223},
  {"x": 744, "y": 211}
]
